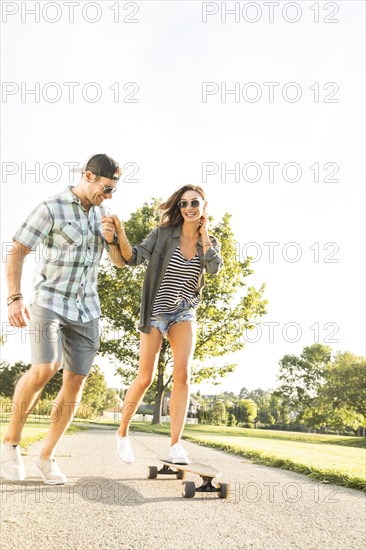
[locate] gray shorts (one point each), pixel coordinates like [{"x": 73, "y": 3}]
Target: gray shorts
[{"x": 55, "y": 339}]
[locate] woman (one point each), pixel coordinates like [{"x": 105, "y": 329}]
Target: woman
[{"x": 179, "y": 250}]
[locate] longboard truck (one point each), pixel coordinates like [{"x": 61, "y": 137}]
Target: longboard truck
[{"x": 189, "y": 488}]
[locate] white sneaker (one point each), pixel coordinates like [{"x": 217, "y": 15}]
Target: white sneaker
[
  {"x": 49, "y": 471},
  {"x": 12, "y": 466},
  {"x": 124, "y": 449},
  {"x": 177, "y": 455}
]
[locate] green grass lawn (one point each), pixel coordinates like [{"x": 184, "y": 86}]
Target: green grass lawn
[
  {"x": 262, "y": 434},
  {"x": 321, "y": 461},
  {"x": 332, "y": 458}
]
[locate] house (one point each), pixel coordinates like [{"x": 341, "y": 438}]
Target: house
[{"x": 193, "y": 406}]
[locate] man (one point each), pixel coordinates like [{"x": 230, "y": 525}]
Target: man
[{"x": 64, "y": 315}]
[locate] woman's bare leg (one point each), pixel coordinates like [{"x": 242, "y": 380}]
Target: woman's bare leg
[
  {"x": 182, "y": 338},
  {"x": 150, "y": 345}
]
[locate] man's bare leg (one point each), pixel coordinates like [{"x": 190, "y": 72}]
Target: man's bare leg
[
  {"x": 63, "y": 410},
  {"x": 26, "y": 395}
]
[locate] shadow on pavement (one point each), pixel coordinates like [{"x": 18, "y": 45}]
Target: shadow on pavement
[{"x": 97, "y": 490}]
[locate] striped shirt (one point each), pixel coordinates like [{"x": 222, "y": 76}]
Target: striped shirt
[
  {"x": 179, "y": 283},
  {"x": 68, "y": 244}
]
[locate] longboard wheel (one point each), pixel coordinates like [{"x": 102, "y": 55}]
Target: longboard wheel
[
  {"x": 181, "y": 474},
  {"x": 224, "y": 490},
  {"x": 152, "y": 472},
  {"x": 189, "y": 489}
]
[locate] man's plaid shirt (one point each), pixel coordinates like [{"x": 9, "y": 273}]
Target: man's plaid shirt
[{"x": 65, "y": 279}]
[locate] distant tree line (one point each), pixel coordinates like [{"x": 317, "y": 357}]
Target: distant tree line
[{"x": 317, "y": 392}]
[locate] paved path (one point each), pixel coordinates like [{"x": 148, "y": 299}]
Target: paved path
[{"x": 107, "y": 505}]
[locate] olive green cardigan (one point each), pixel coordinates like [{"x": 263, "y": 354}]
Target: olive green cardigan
[{"x": 158, "y": 248}]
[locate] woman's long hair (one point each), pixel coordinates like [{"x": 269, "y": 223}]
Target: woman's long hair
[{"x": 169, "y": 210}]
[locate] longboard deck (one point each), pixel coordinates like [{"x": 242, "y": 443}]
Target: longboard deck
[{"x": 194, "y": 468}]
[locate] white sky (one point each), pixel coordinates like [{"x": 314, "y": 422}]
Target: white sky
[{"x": 170, "y": 132}]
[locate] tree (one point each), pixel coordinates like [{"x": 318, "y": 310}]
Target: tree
[
  {"x": 230, "y": 395},
  {"x": 232, "y": 420},
  {"x": 265, "y": 412},
  {"x": 246, "y": 411},
  {"x": 226, "y": 310},
  {"x": 324, "y": 417},
  {"x": 340, "y": 403},
  {"x": 257, "y": 395},
  {"x": 244, "y": 393},
  {"x": 96, "y": 396},
  {"x": 322, "y": 392},
  {"x": 301, "y": 377},
  {"x": 279, "y": 410},
  {"x": 219, "y": 414},
  {"x": 9, "y": 376},
  {"x": 345, "y": 383}
]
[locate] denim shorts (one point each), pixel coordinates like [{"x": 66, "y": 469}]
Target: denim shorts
[
  {"x": 164, "y": 321},
  {"x": 55, "y": 339}
]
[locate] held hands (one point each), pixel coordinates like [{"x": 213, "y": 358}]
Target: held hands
[
  {"x": 119, "y": 225},
  {"x": 18, "y": 314},
  {"x": 110, "y": 226}
]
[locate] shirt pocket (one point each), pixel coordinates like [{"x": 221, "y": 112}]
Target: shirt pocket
[{"x": 69, "y": 232}]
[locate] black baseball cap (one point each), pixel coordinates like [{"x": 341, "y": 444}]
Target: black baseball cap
[{"x": 103, "y": 166}]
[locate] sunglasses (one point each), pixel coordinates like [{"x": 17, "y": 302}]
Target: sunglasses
[
  {"x": 107, "y": 189},
  {"x": 184, "y": 203}
]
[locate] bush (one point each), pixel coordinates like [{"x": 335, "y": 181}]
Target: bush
[{"x": 232, "y": 420}]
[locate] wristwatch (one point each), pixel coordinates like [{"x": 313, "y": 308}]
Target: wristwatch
[{"x": 114, "y": 242}]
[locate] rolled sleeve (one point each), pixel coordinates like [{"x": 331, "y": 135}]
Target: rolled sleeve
[
  {"x": 212, "y": 260},
  {"x": 143, "y": 251},
  {"x": 36, "y": 227}
]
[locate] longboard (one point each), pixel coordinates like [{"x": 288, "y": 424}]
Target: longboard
[{"x": 206, "y": 472}]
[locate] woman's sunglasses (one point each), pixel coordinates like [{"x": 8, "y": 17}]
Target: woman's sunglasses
[{"x": 184, "y": 203}]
